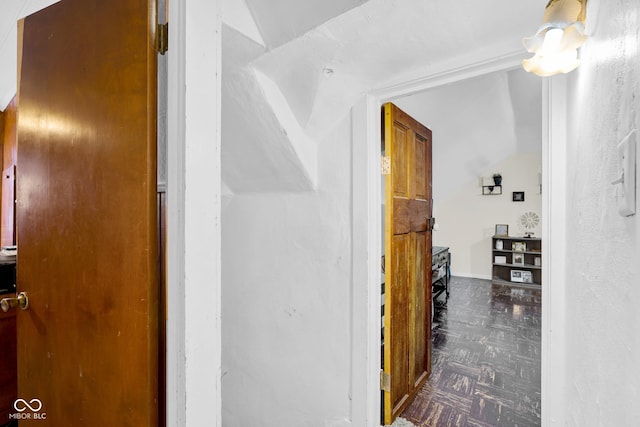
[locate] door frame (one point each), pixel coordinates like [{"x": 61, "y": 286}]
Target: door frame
[
  {"x": 366, "y": 220},
  {"x": 194, "y": 357}
]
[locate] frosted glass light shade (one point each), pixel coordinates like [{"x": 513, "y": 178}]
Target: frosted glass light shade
[{"x": 556, "y": 42}]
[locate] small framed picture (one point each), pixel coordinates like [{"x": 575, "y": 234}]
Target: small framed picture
[
  {"x": 500, "y": 259},
  {"x": 527, "y": 277},
  {"x": 518, "y": 258},
  {"x": 516, "y": 276},
  {"x": 502, "y": 230},
  {"x": 519, "y": 247},
  {"x": 518, "y": 196}
]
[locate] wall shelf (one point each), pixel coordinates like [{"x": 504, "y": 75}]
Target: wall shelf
[{"x": 491, "y": 190}]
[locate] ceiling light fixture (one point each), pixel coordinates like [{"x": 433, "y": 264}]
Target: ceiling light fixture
[{"x": 556, "y": 42}]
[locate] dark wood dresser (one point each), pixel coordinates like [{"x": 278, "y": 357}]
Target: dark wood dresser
[{"x": 440, "y": 271}]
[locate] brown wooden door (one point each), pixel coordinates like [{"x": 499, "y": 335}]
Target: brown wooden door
[
  {"x": 86, "y": 215},
  {"x": 407, "y": 326}
]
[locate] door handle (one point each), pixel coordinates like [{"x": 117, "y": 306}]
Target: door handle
[{"x": 21, "y": 301}]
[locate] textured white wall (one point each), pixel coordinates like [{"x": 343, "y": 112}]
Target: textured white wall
[
  {"x": 286, "y": 290},
  {"x": 467, "y": 219},
  {"x": 602, "y": 287}
]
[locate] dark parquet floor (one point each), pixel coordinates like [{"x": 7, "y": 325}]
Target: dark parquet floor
[{"x": 486, "y": 359}]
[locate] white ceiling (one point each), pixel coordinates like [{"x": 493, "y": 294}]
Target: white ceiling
[
  {"x": 382, "y": 40},
  {"x": 328, "y": 69},
  {"x": 320, "y": 57},
  {"x": 280, "y": 21}
]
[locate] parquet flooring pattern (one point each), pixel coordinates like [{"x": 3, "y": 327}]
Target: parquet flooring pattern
[{"x": 486, "y": 359}]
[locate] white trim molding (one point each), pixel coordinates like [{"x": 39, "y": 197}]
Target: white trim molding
[
  {"x": 175, "y": 326},
  {"x": 554, "y": 183},
  {"x": 194, "y": 230}
]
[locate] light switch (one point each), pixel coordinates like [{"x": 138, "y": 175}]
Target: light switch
[{"x": 626, "y": 183}]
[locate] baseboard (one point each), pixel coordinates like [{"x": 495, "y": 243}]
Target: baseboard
[
  {"x": 470, "y": 275},
  {"x": 339, "y": 423}
]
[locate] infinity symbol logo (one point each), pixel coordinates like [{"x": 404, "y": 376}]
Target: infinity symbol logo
[{"x": 37, "y": 405}]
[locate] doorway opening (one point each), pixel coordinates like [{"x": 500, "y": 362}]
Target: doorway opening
[
  {"x": 366, "y": 158},
  {"x": 485, "y": 129},
  {"x": 407, "y": 241}
]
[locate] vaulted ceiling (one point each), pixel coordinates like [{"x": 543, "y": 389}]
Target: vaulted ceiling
[
  {"x": 323, "y": 72},
  {"x": 280, "y": 21},
  {"x": 478, "y": 123},
  {"x": 293, "y": 69}
]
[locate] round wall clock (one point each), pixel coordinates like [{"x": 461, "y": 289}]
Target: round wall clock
[{"x": 529, "y": 220}]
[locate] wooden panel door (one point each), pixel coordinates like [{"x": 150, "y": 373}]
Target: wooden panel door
[
  {"x": 407, "y": 339},
  {"x": 86, "y": 215}
]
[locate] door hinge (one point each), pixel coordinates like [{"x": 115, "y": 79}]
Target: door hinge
[
  {"x": 163, "y": 38},
  {"x": 385, "y": 165},
  {"x": 385, "y": 381}
]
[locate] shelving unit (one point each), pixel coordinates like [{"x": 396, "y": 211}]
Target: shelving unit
[{"x": 513, "y": 266}]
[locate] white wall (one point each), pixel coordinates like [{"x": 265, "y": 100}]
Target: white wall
[
  {"x": 286, "y": 314},
  {"x": 286, "y": 275},
  {"x": 286, "y": 300},
  {"x": 287, "y": 292},
  {"x": 466, "y": 219},
  {"x": 602, "y": 285}
]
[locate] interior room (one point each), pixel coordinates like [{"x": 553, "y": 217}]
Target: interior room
[
  {"x": 501, "y": 137},
  {"x": 273, "y": 198},
  {"x": 483, "y": 126}
]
